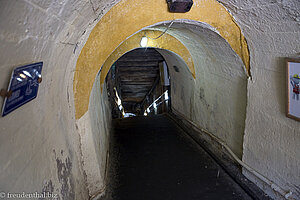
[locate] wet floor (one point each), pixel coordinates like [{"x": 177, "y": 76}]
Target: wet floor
[{"x": 152, "y": 159}]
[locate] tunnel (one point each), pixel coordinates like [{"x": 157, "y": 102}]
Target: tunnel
[
  {"x": 139, "y": 84},
  {"x": 137, "y": 101}
]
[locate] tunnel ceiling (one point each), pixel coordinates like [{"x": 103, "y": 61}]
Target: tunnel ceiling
[
  {"x": 101, "y": 43},
  {"x": 136, "y": 73},
  {"x": 205, "y": 43}
]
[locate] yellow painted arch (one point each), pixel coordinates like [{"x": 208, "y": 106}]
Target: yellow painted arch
[
  {"x": 130, "y": 16},
  {"x": 166, "y": 42}
]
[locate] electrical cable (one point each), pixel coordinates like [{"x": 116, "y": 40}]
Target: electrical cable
[{"x": 160, "y": 34}]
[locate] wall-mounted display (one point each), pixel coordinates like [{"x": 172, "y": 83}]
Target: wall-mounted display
[
  {"x": 293, "y": 84},
  {"x": 23, "y": 86}
]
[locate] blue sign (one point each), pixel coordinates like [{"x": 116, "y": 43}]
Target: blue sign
[{"x": 23, "y": 85}]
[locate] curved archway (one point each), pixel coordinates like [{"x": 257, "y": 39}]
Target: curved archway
[
  {"x": 128, "y": 18},
  {"x": 166, "y": 42},
  {"x": 215, "y": 98},
  {"x": 215, "y": 74}
]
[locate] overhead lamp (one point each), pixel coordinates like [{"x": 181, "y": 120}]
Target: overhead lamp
[{"x": 144, "y": 41}]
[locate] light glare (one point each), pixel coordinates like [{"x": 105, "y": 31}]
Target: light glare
[
  {"x": 119, "y": 102},
  {"x": 144, "y": 41},
  {"x": 166, "y": 95},
  {"x": 27, "y": 74},
  {"x": 22, "y": 75}
]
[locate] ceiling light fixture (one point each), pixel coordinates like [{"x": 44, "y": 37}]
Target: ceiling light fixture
[{"x": 144, "y": 41}]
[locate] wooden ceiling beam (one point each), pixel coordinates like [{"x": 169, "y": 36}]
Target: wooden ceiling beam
[
  {"x": 142, "y": 75},
  {"x": 122, "y": 79},
  {"x": 138, "y": 69},
  {"x": 137, "y": 63},
  {"x": 132, "y": 100},
  {"x": 141, "y": 59},
  {"x": 133, "y": 86},
  {"x": 142, "y": 54},
  {"x": 136, "y": 82}
]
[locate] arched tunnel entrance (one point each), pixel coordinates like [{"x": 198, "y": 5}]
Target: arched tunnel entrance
[
  {"x": 207, "y": 85},
  {"x": 150, "y": 156}
]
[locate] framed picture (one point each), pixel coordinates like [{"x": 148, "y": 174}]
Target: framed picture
[{"x": 293, "y": 84}]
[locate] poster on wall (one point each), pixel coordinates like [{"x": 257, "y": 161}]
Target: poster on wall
[{"x": 293, "y": 84}]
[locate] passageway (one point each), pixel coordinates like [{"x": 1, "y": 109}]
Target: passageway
[
  {"x": 70, "y": 68},
  {"x": 137, "y": 82},
  {"x": 151, "y": 157},
  {"x": 154, "y": 159}
]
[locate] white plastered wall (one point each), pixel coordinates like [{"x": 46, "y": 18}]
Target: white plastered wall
[
  {"x": 272, "y": 141},
  {"x": 94, "y": 129},
  {"x": 216, "y": 99},
  {"x": 40, "y": 147},
  {"x": 182, "y": 83}
]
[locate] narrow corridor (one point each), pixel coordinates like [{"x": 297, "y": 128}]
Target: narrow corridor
[
  {"x": 154, "y": 159},
  {"x": 226, "y": 71}
]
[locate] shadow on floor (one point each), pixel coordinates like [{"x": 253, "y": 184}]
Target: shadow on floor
[{"x": 151, "y": 159}]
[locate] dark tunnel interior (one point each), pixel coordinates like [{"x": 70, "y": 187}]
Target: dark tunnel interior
[{"x": 138, "y": 83}]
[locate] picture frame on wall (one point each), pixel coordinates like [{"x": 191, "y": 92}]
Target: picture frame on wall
[{"x": 293, "y": 87}]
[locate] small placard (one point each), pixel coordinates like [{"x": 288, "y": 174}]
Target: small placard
[
  {"x": 23, "y": 85},
  {"x": 293, "y": 88}
]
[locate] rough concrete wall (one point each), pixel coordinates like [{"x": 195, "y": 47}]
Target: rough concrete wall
[
  {"x": 100, "y": 115},
  {"x": 220, "y": 93},
  {"x": 216, "y": 99},
  {"x": 182, "y": 83},
  {"x": 39, "y": 144},
  {"x": 94, "y": 128},
  {"x": 272, "y": 142}
]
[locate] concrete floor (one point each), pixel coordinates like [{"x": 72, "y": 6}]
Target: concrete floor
[{"x": 152, "y": 159}]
